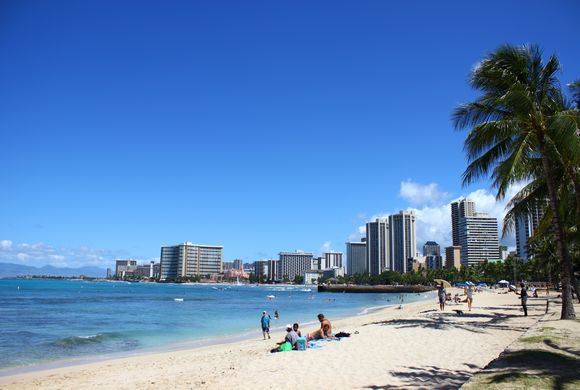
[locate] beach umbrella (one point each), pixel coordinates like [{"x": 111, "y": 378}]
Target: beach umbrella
[
  {"x": 460, "y": 284},
  {"x": 503, "y": 282},
  {"x": 446, "y": 284},
  {"x": 470, "y": 283}
]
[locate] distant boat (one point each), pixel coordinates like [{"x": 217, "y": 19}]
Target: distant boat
[
  {"x": 178, "y": 299},
  {"x": 271, "y": 296},
  {"x": 238, "y": 281}
]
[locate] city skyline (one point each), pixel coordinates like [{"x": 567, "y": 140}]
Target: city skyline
[{"x": 128, "y": 128}]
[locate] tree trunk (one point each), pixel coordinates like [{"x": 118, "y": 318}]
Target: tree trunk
[
  {"x": 561, "y": 245},
  {"x": 576, "y": 180}
]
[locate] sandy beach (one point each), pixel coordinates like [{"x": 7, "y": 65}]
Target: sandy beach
[{"x": 416, "y": 346}]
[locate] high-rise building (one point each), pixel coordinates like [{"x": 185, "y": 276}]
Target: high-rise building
[
  {"x": 377, "y": 247},
  {"x": 478, "y": 238},
  {"x": 316, "y": 263},
  {"x": 227, "y": 265},
  {"x": 402, "y": 239},
  {"x": 331, "y": 260},
  {"x": 238, "y": 264},
  {"x": 294, "y": 263},
  {"x": 266, "y": 268},
  {"x": 356, "y": 254},
  {"x": 189, "y": 259},
  {"x": 525, "y": 227},
  {"x": 503, "y": 252},
  {"x": 125, "y": 268},
  {"x": 453, "y": 257},
  {"x": 459, "y": 209},
  {"x": 431, "y": 248},
  {"x": 433, "y": 262}
]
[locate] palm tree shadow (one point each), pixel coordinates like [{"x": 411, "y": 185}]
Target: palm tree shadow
[
  {"x": 562, "y": 369},
  {"x": 427, "y": 377}
]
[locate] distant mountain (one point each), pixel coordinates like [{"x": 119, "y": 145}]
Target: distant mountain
[{"x": 10, "y": 270}]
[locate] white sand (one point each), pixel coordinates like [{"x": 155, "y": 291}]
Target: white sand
[{"x": 417, "y": 346}]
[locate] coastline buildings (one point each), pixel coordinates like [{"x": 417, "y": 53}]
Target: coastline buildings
[
  {"x": 431, "y": 248},
  {"x": 294, "y": 263},
  {"x": 478, "y": 238},
  {"x": 525, "y": 227},
  {"x": 460, "y": 209},
  {"x": 453, "y": 256},
  {"x": 356, "y": 254},
  {"x": 187, "y": 259},
  {"x": 331, "y": 260},
  {"x": 268, "y": 269},
  {"x": 402, "y": 239},
  {"x": 377, "y": 246},
  {"x": 476, "y": 233},
  {"x": 124, "y": 268}
]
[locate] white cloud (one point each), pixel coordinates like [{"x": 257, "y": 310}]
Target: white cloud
[
  {"x": 326, "y": 247},
  {"x": 418, "y": 194},
  {"x": 5, "y": 244},
  {"x": 40, "y": 254}
]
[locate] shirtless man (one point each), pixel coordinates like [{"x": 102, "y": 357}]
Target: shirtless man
[{"x": 324, "y": 331}]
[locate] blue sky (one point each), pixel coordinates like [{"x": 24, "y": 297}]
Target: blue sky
[{"x": 260, "y": 126}]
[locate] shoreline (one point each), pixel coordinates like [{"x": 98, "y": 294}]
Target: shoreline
[
  {"x": 179, "y": 346},
  {"x": 391, "y": 347}
]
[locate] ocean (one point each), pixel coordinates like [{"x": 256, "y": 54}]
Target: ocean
[{"x": 47, "y": 321}]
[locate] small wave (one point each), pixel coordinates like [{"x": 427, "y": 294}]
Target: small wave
[
  {"x": 74, "y": 341},
  {"x": 373, "y": 308}
]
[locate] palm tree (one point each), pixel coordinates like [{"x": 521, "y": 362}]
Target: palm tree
[{"x": 519, "y": 128}]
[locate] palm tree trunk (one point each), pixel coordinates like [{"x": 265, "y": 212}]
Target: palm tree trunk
[
  {"x": 561, "y": 245},
  {"x": 576, "y": 181}
]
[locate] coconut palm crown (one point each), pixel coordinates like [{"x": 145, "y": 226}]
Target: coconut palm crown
[{"x": 522, "y": 128}]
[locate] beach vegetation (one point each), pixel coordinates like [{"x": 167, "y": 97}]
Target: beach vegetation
[{"x": 522, "y": 128}]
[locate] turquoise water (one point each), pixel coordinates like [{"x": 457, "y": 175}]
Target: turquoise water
[{"x": 51, "y": 320}]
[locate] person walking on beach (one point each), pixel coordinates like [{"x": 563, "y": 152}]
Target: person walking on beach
[
  {"x": 469, "y": 296},
  {"x": 524, "y": 297},
  {"x": 265, "y": 321},
  {"x": 442, "y": 294}
]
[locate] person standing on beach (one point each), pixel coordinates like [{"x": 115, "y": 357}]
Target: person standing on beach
[
  {"x": 265, "y": 321},
  {"x": 524, "y": 297},
  {"x": 442, "y": 294},
  {"x": 469, "y": 296}
]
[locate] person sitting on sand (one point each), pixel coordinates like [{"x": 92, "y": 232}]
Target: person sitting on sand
[
  {"x": 291, "y": 339},
  {"x": 324, "y": 331},
  {"x": 295, "y": 328}
]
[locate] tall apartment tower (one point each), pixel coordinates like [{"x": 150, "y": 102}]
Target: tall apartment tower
[
  {"x": 356, "y": 254},
  {"x": 266, "y": 268},
  {"x": 189, "y": 259},
  {"x": 431, "y": 248},
  {"x": 293, "y": 263},
  {"x": 461, "y": 208},
  {"x": 478, "y": 238},
  {"x": 377, "y": 246},
  {"x": 331, "y": 260},
  {"x": 402, "y": 239},
  {"x": 453, "y": 257},
  {"x": 526, "y": 225}
]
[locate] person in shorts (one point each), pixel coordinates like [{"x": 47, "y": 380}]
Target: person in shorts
[
  {"x": 442, "y": 294},
  {"x": 469, "y": 296},
  {"x": 265, "y": 322}
]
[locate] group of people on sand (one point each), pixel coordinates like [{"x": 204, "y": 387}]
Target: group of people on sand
[
  {"x": 293, "y": 333},
  {"x": 445, "y": 297},
  {"x": 469, "y": 290}
]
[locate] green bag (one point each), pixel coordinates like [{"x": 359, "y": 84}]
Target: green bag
[{"x": 285, "y": 347}]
